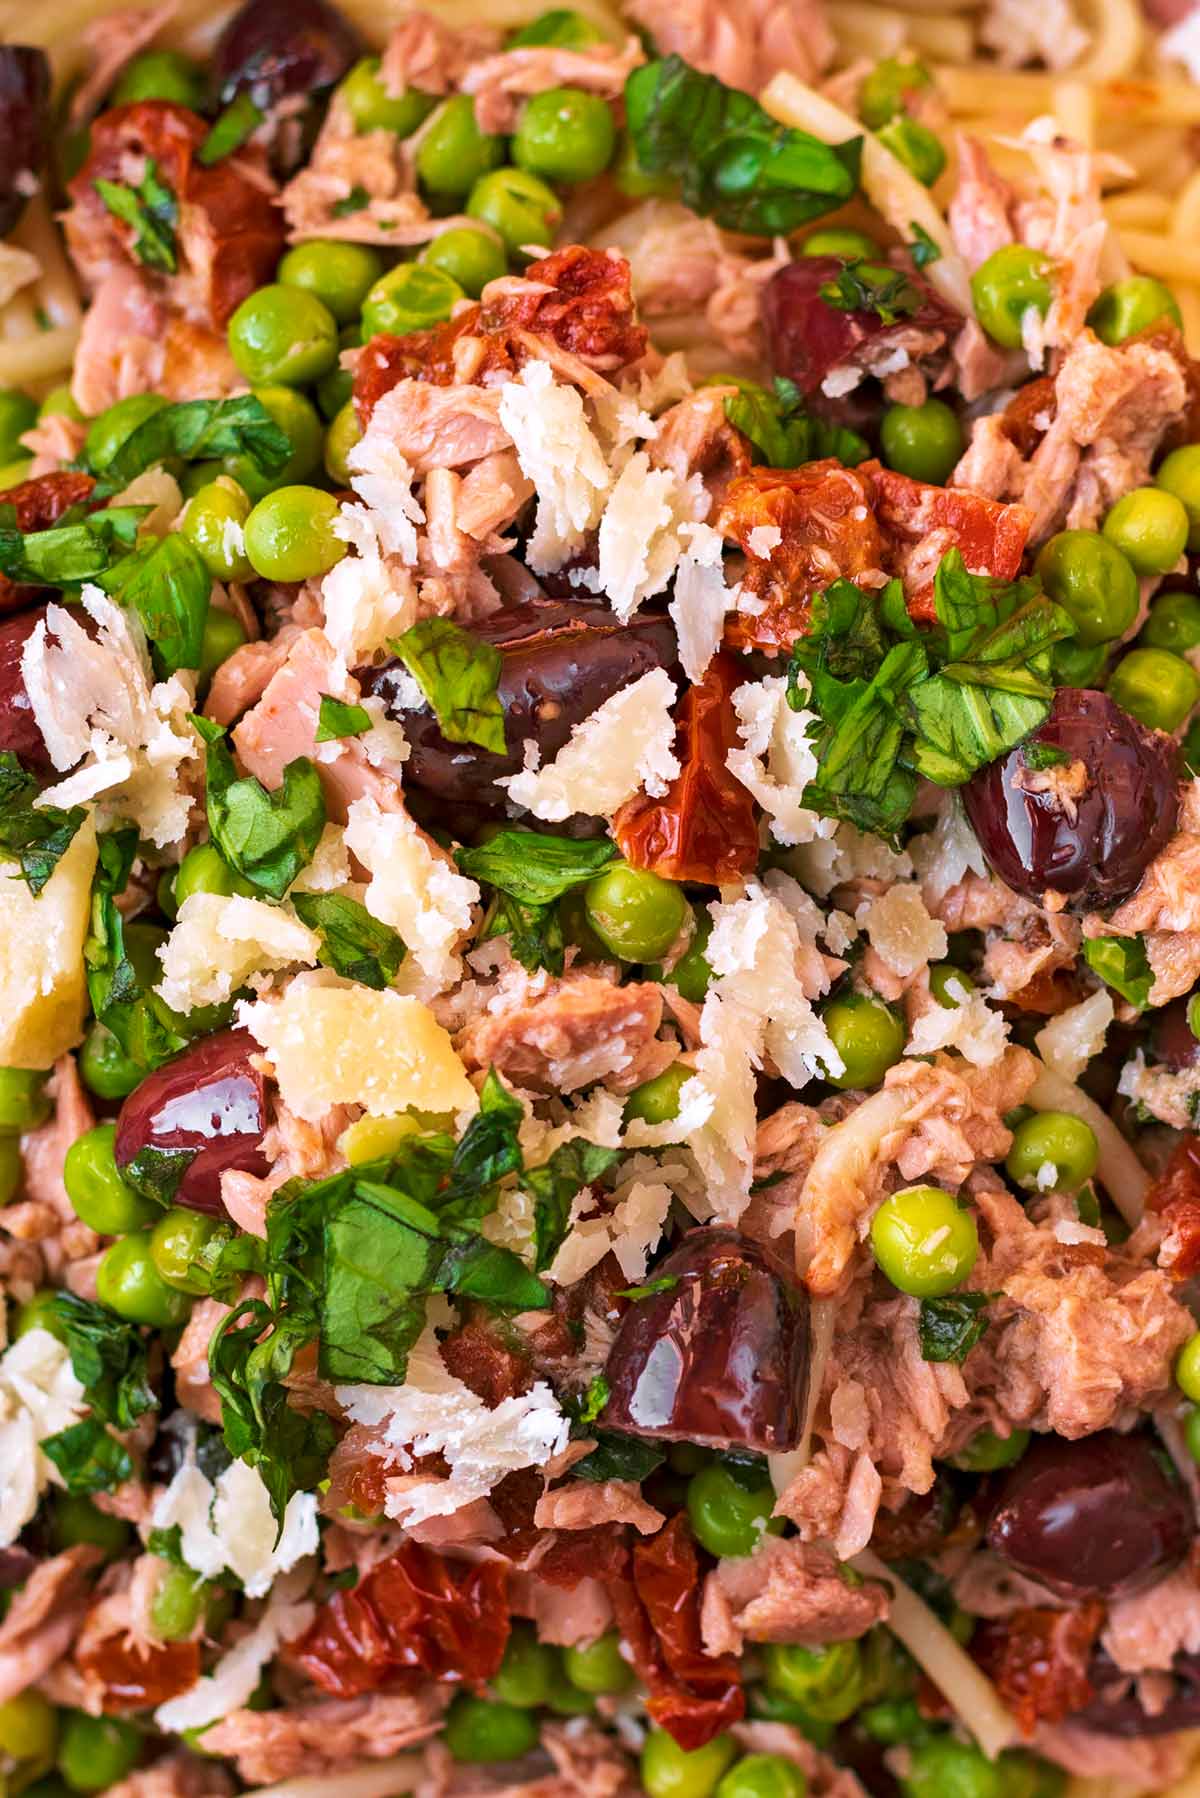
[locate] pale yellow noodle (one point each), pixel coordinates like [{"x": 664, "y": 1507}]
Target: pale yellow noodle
[
  {"x": 38, "y": 358},
  {"x": 1189, "y": 305},
  {"x": 55, "y": 290},
  {"x": 1118, "y": 37},
  {"x": 1074, "y": 104},
  {"x": 1185, "y": 218},
  {"x": 18, "y": 320},
  {"x": 1140, "y": 209},
  {"x": 1157, "y": 254}
]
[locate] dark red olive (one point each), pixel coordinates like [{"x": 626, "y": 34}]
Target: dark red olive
[
  {"x": 806, "y": 336},
  {"x": 24, "y": 127},
  {"x": 1122, "y": 1713},
  {"x": 18, "y": 730},
  {"x": 1172, "y": 1040},
  {"x": 276, "y": 49},
  {"x": 209, "y": 1100},
  {"x": 1092, "y": 842},
  {"x": 1096, "y": 1518},
  {"x": 719, "y": 1356},
  {"x": 560, "y": 659}
]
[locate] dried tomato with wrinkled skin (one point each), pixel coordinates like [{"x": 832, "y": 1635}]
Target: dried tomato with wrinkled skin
[
  {"x": 704, "y": 827},
  {"x": 39, "y": 504},
  {"x": 138, "y": 1677},
  {"x": 415, "y": 1614},
  {"x": 1038, "y": 1661},
  {"x": 588, "y": 312},
  {"x": 990, "y": 536},
  {"x": 476, "y": 1355},
  {"x": 1175, "y": 1195}
]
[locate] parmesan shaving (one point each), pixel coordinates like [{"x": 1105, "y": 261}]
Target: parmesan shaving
[
  {"x": 39, "y": 1395},
  {"x": 625, "y": 745},
  {"x": 560, "y": 454},
  {"x": 639, "y": 543},
  {"x": 901, "y": 930},
  {"x": 414, "y": 887},
  {"x": 234, "y": 1679},
  {"x": 1068, "y": 1042},
  {"x": 230, "y": 1525},
  {"x": 218, "y": 943},
  {"x": 971, "y": 1026},
  {"x": 701, "y": 599},
  {"x": 777, "y": 759}
]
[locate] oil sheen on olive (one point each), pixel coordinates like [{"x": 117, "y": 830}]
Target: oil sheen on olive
[
  {"x": 209, "y": 1100},
  {"x": 1094, "y": 845},
  {"x": 1097, "y": 1518},
  {"x": 720, "y": 1357}
]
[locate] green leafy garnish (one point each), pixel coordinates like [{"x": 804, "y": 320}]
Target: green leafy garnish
[
  {"x": 355, "y": 201},
  {"x": 267, "y": 837},
  {"x": 109, "y": 1358},
  {"x": 649, "y": 1288},
  {"x": 950, "y": 1327},
  {"x": 88, "y": 1457},
  {"x": 36, "y": 838},
  {"x": 337, "y": 719},
  {"x": 618, "y": 1457},
  {"x": 533, "y": 868},
  {"x": 594, "y": 1400},
  {"x": 152, "y": 211},
  {"x": 734, "y": 163},
  {"x": 871, "y": 287},
  {"x": 67, "y": 553},
  {"x": 784, "y": 432},
  {"x": 290, "y": 1448},
  {"x": 573, "y": 1165},
  {"x": 559, "y": 29},
  {"x": 167, "y": 585},
  {"x": 240, "y": 119},
  {"x": 123, "y": 1003},
  {"x": 1121, "y": 963},
  {"x": 1040, "y": 756},
  {"x": 922, "y": 249},
  {"x": 199, "y": 431},
  {"x": 353, "y": 943},
  {"x": 459, "y": 675}
]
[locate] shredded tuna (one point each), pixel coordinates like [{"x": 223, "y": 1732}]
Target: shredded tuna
[
  {"x": 786, "y": 1591},
  {"x": 499, "y": 82},
  {"x": 581, "y": 1504},
  {"x": 558, "y": 1035},
  {"x": 43, "y": 1618},
  {"x": 1144, "y": 1633},
  {"x": 743, "y": 45},
  {"x": 322, "y": 1737},
  {"x": 62, "y": 1237}
]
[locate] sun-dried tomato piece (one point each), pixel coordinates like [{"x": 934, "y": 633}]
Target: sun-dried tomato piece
[
  {"x": 585, "y": 306},
  {"x": 1029, "y": 413},
  {"x": 921, "y": 1526},
  {"x": 1038, "y": 1661},
  {"x": 415, "y": 1613},
  {"x": 826, "y": 529},
  {"x": 137, "y": 1676},
  {"x": 1049, "y": 992},
  {"x": 476, "y": 1355},
  {"x": 704, "y": 827},
  {"x": 916, "y": 518},
  {"x": 39, "y": 504},
  {"x": 443, "y": 355},
  {"x": 574, "y": 1555},
  {"x": 1175, "y": 1195}
]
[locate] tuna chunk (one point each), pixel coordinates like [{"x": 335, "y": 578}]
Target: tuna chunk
[{"x": 786, "y": 1591}]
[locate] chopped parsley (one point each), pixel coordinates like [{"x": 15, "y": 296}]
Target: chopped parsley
[
  {"x": 783, "y": 432},
  {"x": 459, "y": 675},
  {"x": 240, "y": 119},
  {"x": 922, "y": 249},
  {"x": 35, "y": 837},
  {"x": 871, "y": 287},
  {"x": 355, "y": 201},
  {"x": 950, "y": 1327},
  {"x": 151, "y": 210},
  {"x": 337, "y": 719},
  {"x": 268, "y": 837}
]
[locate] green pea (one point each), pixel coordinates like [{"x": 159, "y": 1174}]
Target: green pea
[
  {"x": 290, "y": 535},
  {"x": 1129, "y": 306},
  {"x": 827, "y": 1681},
  {"x": 223, "y": 633},
  {"x": 338, "y": 274},
  {"x": 371, "y": 106},
  {"x": 478, "y": 1729},
  {"x": 96, "y": 1752},
  {"x": 887, "y": 86},
  {"x": 1005, "y": 287},
  {"x": 468, "y": 256},
  {"x": 924, "y": 1242},
  {"x": 691, "y": 973},
  {"x": 75, "y": 1520},
  {"x": 1074, "y": 665},
  {"x": 178, "y": 1602},
  {"x": 889, "y": 1671},
  {"x": 11, "y": 1167},
  {"x": 916, "y": 146},
  {"x": 943, "y": 1767},
  {"x": 1052, "y": 1151},
  {"x": 40, "y": 1313},
  {"x": 300, "y": 423},
  {"x": 559, "y": 29},
  {"x": 12, "y": 474},
  {"x": 529, "y": 1671},
  {"x": 28, "y": 1727},
  {"x": 893, "y": 1721},
  {"x": 839, "y": 240},
  {"x": 730, "y": 1508},
  {"x": 161, "y": 75},
  {"x": 637, "y": 915},
  {"x": 949, "y": 985},
  {"x": 104, "y": 1067},
  {"x": 24, "y": 1103},
  {"x": 205, "y": 870},
  {"x": 599, "y": 1667},
  {"x": 1093, "y": 582},
  {"x": 283, "y": 334},
  {"x": 567, "y": 1701},
  {"x": 669, "y": 1771},
  {"x": 1179, "y": 473},
  {"x": 340, "y": 439},
  {"x": 1191, "y": 1433},
  {"x": 18, "y": 414},
  {"x": 565, "y": 134},
  {"x": 1026, "y": 1775},
  {"x": 763, "y": 1776},
  {"x": 60, "y": 403},
  {"x": 520, "y": 207},
  {"x": 867, "y": 1035},
  {"x": 336, "y": 389},
  {"x": 1173, "y": 623},
  {"x": 178, "y": 1245},
  {"x": 410, "y": 297},
  {"x": 100, "y": 1197},
  {"x": 454, "y": 152},
  {"x": 986, "y": 1452},
  {"x": 108, "y": 431},
  {"x": 1187, "y": 1369},
  {"x": 657, "y": 1101},
  {"x": 635, "y": 182},
  {"x": 213, "y": 520},
  {"x": 1150, "y": 528},
  {"x": 922, "y": 441},
  {"x": 1155, "y": 687},
  {"x": 128, "y": 1282}
]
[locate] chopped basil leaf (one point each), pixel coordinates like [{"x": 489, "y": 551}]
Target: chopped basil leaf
[
  {"x": 123, "y": 1004},
  {"x": 337, "y": 719},
  {"x": 617, "y": 1457},
  {"x": 353, "y": 943},
  {"x": 233, "y": 126},
  {"x": 573, "y": 1165},
  {"x": 950, "y": 1327},
  {"x": 783, "y": 432},
  {"x": 560, "y": 29},
  {"x": 199, "y": 431},
  {"x": 650, "y": 1289},
  {"x": 1040, "y": 756},
  {"x": 459, "y": 675},
  {"x": 267, "y": 837},
  {"x": 1121, "y": 963},
  {"x": 489, "y": 1150},
  {"x": 67, "y": 553},
  {"x": 872, "y": 287},
  {"x": 38, "y": 837},
  {"x": 167, "y": 585},
  {"x": 922, "y": 249},
  {"x": 290, "y": 1448},
  {"x": 87, "y": 1457},
  {"x": 533, "y": 868},
  {"x": 594, "y": 1399},
  {"x": 152, "y": 211},
  {"x": 495, "y": 1276},
  {"x": 534, "y": 932},
  {"x": 158, "y": 1173},
  {"x": 734, "y": 163},
  {"x": 109, "y": 1359},
  {"x": 355, "y": 201}
]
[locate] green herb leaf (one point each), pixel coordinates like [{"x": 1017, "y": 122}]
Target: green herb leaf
[
  {"x": 489, "y": 1150},
  {"x": 89, "y": 1459},
  {"x": 734, "y": 163},
  {"x": 240, "y": 119},
  {"x": 618, "y": 1457},
  {"x": 872, "y": 287},
  {"x": 290, "y": 1448},
  {"x": 533, "y": 868},
  {"x": 167, "y": 585},
  {"x": 1040, "y": 756},
  {"x": 337, "y": 719},
  {"x": 36, "y": 838},
  {"x": 534, "y": 932},
  {"x": 1121, "y": 963},
  {"x": 378, "y": 1265},
  {"x": 353, "y": 943},
  {"x": 950, "y": 1327},
  {"x": 667, "y": 1283},
  {"x": 573, "y": 1165},
  {"x": 560, "y": 29},
  {"x": 199, "y": 431},
  {"x": 459, "y": 675},
  {"x": 784, "y": 432},
  {"x": 355, "y": 201},
  {"x": 68, "y": 553},
  {"x": 267, "y": 837},
  {"x": 922, "y": 249},
  {"x": 152, "y": 211},
  {"x": 497, "y": 1277},
  {"x": 594, "y": 1400},
  {"x": 123, "y": 1004},
  {"x": 158, "y": 1173},
  {"x": 109, "y": 1357}
]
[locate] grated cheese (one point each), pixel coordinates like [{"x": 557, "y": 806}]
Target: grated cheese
[
  {"x": 972, "y": 1027},
  {"x": 413, "y": 887},
  {"x": 945, "y": 855},
  {"x": 847, "y": 854},
  {"x": 629, "y": 1231},
  {"x": 39, "y": 1395},
  {"x": 776, "y": 760},
  {"x": 559, "y": 452},
  {"x": 1068, "y": 1042},
  {"x": 701, "y": 599},
  {"x": 383, "y": 478},
  {"x": 233, "y": 1681},
  {"x": 218, "y": 943},
  {"x": 229, "y": 1525},
  {"x": 901, "y": 930},
  {"x": 329, "y": 868},
  {"x": 625, "y": 745},
  {"x": 365, "y": 598},
  {"x": 639, "y": 542},
  {"x": 42, "y": 986}
]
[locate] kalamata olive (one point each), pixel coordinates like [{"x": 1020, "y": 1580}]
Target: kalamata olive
[
  {"x": 208, "y": 1101},
  {"x": 560, "y": 659},
  {"x": 1096, "y": 1518},
  {"x": 1087, "y": 827},
  {"x": 24, "y": 127},
  {"x": 806, "y": 337},
  {"x": 18, "y": 729},
  {"x": 1123, "y": 1713},
  {"x": 718, "y": 1356},
  {"x": 275, "y": 49},
  {"x": 1172, "y": 1039}
]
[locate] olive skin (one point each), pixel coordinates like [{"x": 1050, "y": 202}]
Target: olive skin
[
  {"x": 18, "y": 729},
  {"x": 1094, "y": 846},
  {"x": 1097, "y": 1518},
  {"x": 277, "y": 49},
  {"x": 209, "y": 1100},
  {"x": 1125, "y": 1715},
  {"x": 1171, "y": 1038},
  {"x": 719, "y": 1357},
  {"x": 560, "y": 659},
  {"x": 24, "y": 125}
]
